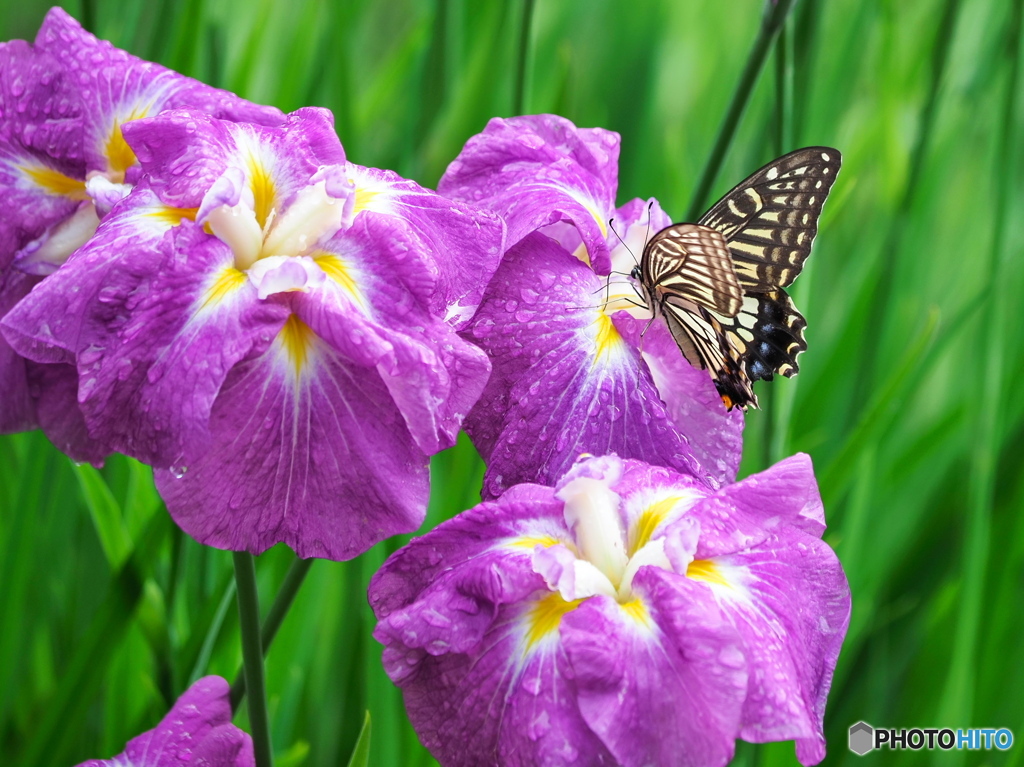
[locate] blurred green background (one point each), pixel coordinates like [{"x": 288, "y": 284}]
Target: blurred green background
[{"x": 910, "y": 399}]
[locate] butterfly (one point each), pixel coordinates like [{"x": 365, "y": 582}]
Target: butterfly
[{"x": 720, "y": 283}]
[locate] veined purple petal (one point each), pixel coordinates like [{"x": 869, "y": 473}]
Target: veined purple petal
[
  {"x": 116, "y": 88},
  {"x": 306, "y": 449},
  {"x": 564, "y": 381},
  {"x": 461, "y": 244},
  {"x": 665, "y": 687},
  {"x": 540, "y": 170},
  {"x": 669, "y": 668},
  {"x": 186, "y": 152},
  {"x": 196, "y": 731},
  {"x": 41, "y": 171},
  {"x": 169, "y": 325}
]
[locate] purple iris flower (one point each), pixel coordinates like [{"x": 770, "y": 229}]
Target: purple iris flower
[
  {"x": 274, "y": 329},
  {"x": 630, "y": 615},
  {"x": 571, "y": 372},
  {"x": 196, "y": 731},
  {"x": 63, "y": 163}
]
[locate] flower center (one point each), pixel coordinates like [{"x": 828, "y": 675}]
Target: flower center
[
  {"x": 313, "y": 216},
  {"x": 603, "y": 562}
]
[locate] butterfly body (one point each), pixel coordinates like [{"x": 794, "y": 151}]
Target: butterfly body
[{"x": 720, "y": 283}]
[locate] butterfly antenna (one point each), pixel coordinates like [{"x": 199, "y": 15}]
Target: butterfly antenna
[
  {"x": 650, "y": 207},
  {"x": 611, "y": 225}
]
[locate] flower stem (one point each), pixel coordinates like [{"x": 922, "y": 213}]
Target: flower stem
[
  {"x": 282, "y": 603},
  {"x": 770, "y": 26},
  {"x": 524, "y": 47},
  {"x": 252, "y": 656}
]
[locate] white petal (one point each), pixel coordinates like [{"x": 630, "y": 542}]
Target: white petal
[
  {"x": 236, "y": 225},
  {"x": 592, "y": 514},
  {"x": 313, "y": 216},
  {"x": 280, "y": 274}
]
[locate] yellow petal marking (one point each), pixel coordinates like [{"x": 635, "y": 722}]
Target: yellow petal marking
[
  {"x": 648, "y": 522},
  {"x": 173, "y": 216},
  {"x": 120, "y": 156},
  {"x": 297, "y": 339},
  {"x": 532, "y": 541},
  {"x": 364, "y": 199},
  {"x": 636, "y": 610},
  {"x": 336, "y": 269},
  {"x": 706, "y": 570},
  {"x": 55, "y": 182},
  {"x": 606, "y": 337},
  {"x": 545, "y": 617},
  {"x": 263, "y": 191},
  {"x": 227, "y": 282}
]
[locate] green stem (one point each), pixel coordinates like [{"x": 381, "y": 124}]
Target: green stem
[
  {"x": 252, "y": 656},
  {"x": 526, "y": 23},
  {"x": 770, "y": 27},
  {"x": 282, "y": 603}
]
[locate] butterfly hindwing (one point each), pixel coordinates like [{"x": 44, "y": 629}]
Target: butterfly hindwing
[
  {"x": 704, "y": 342},
  {"x": 767, "y": 335},
  {"x": 770, "y": 220},
  {"x": 694, "y": 263}
]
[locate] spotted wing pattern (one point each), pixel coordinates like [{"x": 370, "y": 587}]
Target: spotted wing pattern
[
  {"x": 770, "y": 220},
  {"x": 766, "y": 335},
  {"x": 692, "y": 262}
]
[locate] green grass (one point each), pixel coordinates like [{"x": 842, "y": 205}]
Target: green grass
[{"x": 910, "y": 398}]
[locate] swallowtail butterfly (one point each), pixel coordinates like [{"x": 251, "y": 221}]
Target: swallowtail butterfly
[{"x": 720, "y": 283}]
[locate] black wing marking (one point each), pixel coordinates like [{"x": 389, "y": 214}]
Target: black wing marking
[
  {"x": 770, "y": 220},
  {"x": 767, "y": 335},
  {"x": 704, "y": 342},
  {"x": 694, "y": 263}
]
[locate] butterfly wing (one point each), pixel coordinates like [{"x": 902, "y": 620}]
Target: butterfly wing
[
  {"x": 705, "y": 343},
  {"x": 693, "y": 263},
  {"x": 766, "y": 335},
  {"x": 770, "y": 220}
]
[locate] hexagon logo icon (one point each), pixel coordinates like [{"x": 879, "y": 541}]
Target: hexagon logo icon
[{"x": 862, "y": 738}]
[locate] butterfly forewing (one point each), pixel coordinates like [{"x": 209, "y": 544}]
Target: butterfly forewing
[
  {"x": 694, "y": 263},
  {"x": 770, "y": 220}
]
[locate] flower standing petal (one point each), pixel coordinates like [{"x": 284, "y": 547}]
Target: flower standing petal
[
  {"x": 197, "y": 730},
  {"x": 700, "y": 642}
]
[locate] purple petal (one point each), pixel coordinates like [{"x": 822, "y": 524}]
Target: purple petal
[
  {"x": 537, "y": 171},
  {"x": 52, "y": 323},
  {"x": 372, "y": 309},
  {"x": 663, "y": 689},
  {"x": 41, "y": 172},
  {"x": 168, "y": 328},
  {"x": 524, "y": 513},
  {"x": 738, "y": 515},
  {"x": 307, "y": 449},
  {"x": 564, "y": 382},
  {"x": 463, "y": 243},
  {"x": 202, "y": 713},
  {"x": 17, "y": 410},
  {"x": 60, "y": 416},
  {"x": 790, "y": 600},
  {"x": 715, "y": 435},
  {"x": 116, "y": 87},
  {"x": 186, "y": 153}
]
